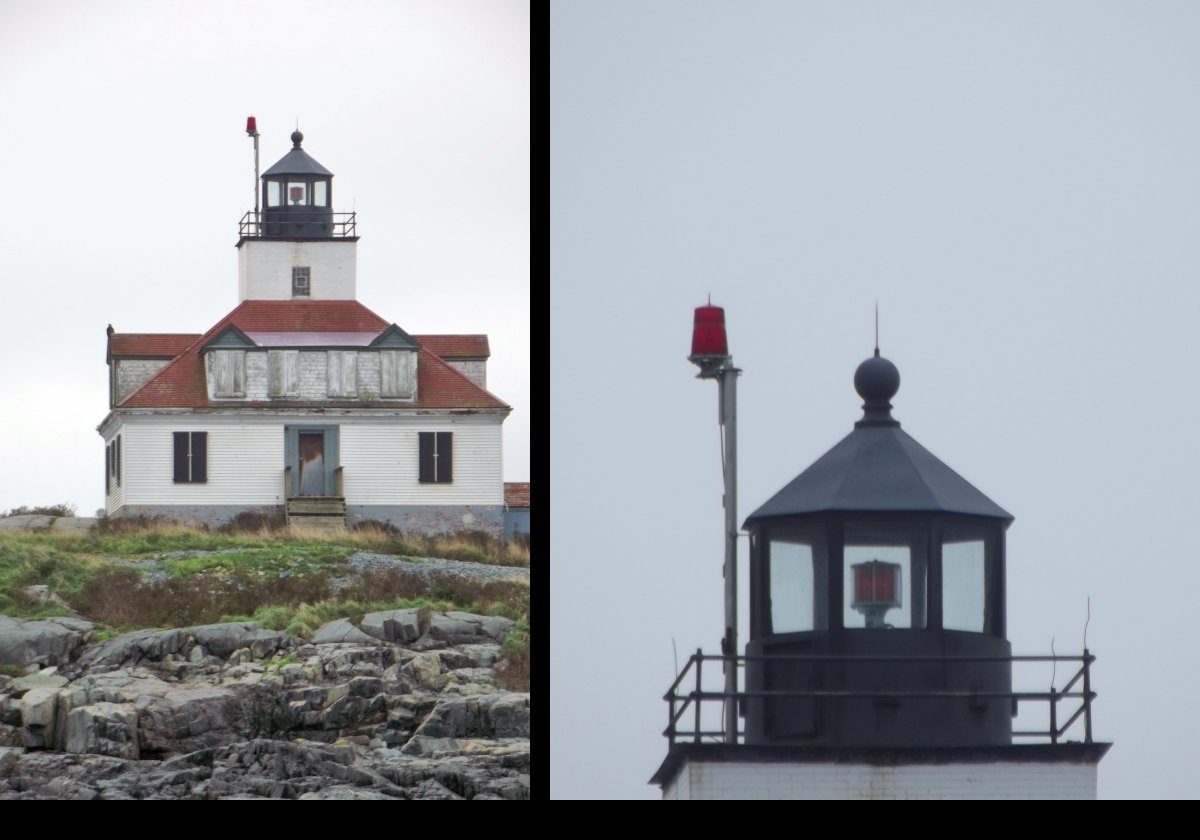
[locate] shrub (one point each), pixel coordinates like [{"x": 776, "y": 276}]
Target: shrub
[
  {"x": 270, "y": 521},
  {"x": 65, "y": 509}
]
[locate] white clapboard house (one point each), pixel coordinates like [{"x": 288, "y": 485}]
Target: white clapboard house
[{"x": 302, "y": 399}]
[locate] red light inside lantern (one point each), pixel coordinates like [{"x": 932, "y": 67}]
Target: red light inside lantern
[
  {"x": 708, "y": 332},
  {"x": 297, "y": 194},
  {"x": 876, "y": 583},
  {"x": 251, "y": 126}
]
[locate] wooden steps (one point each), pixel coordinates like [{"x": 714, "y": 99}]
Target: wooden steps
[{"x": 319, "y": 514}]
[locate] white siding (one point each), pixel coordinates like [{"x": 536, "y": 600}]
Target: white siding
[
  {"x": 784, "y": 780},
  {"x": 245, "y": 463},
  {"x": 265, "y": 269},
  {"x": 380, "y": 463}
]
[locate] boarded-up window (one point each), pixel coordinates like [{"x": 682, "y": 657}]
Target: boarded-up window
[
  {"x": 191, "y": 457},
  {"x": 396, "y": 373},
  {"x": 437, "y": 457},
  {"x": 283, "y": 373},
  {"x": 343, "y": 373},
  {"x": 229, "y": 366}
]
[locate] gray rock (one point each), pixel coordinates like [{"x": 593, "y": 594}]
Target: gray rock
[
  {"x": 488, "y": 716},
  {"x": 38, "y": 710},
  {"x": 42, "y": 679},
  {"x": 103, "y": 729},
  {"x": 130, "y": 648},
  {"x": 392, "y": 625},
  {"x": 223, "y": 639},
  {"x": 340, "y": 631},
  {"x": 52, "y": 641}
]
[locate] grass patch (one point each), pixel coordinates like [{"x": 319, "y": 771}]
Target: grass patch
[
  {"x": 267, "y": 575},
  {"x": 512, "y": 672}
]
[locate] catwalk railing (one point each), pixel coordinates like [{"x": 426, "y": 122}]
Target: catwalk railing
[
  {"x": 686, "y": 706},
  {"x": 331, "y": 225}
]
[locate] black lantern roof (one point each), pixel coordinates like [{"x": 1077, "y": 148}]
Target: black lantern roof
[
  {"x": 297, "y": 162},
  {"x": 878, "y": 467}
]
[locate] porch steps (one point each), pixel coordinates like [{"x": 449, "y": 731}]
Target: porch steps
[{"x": 321, "y": 514}]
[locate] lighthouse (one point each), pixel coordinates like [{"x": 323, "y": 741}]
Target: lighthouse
[{"x": 877, "y": 664}]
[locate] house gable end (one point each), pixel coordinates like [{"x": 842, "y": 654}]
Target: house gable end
[{"x": 394, "y": 338}]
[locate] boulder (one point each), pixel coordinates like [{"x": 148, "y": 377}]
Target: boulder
[
  {"x": 223, "y": 639},
  {"x": 392, "y": 625},
  {"x": 340, "y": 631},
  {"x": 53, "y": 641},
  {"x": 487, "y": 716},
  {"x": 103, "y": 729}
]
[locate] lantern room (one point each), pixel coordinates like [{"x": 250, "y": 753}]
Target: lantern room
[
  {"x": 297, "y": 196},
  {"x": 877, "y": 552}
]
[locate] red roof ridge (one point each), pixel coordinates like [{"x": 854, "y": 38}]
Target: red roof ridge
[{"x": 177, "y": 386}]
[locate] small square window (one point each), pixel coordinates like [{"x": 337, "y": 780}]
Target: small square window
[{"x": 300, "y": 284}]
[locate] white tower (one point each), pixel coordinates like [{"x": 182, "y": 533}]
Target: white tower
[{"x": 297, "y": 248}]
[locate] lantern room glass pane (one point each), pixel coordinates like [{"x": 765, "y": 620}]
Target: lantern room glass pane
[
  {"x": 297, "y": 193},
  {"x": 792, "y": 593},
  {"x": 321, "y": 193},
  {"x": 884, "y": 576},
  {"x": 273, "y": 193},
  {"x": 964, "y": 585}
]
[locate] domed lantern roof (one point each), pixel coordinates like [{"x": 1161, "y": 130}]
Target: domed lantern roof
[{"x": 878, "y": 467}]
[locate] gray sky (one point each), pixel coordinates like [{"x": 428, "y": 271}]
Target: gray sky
[
  {"x": 1017, "y": 184},
  {"x": 127, "y": 169}
]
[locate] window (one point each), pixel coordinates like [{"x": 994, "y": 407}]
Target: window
[
  {"x": 191, "y": 457},
  {"x": 273, "y": 193},
  {"x": 112, "y": 464},
  {"x": 437, "y": 457},
  {"x": 797, "y": 574},
  {"x": 283, "y": 377},
  {"x": 966, "y": 593},
  {"x": 884, "y": 581},
  {"x": 343, "y": 373},
  {"x": 297, "y": 192},
  {"x": 321, "y": 193},
  {"x": 396, "y": 373},
  {"x": 300, "y": 286},
  {"x": 229, "y": 367}
]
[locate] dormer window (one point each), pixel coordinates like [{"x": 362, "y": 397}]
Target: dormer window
[{"x": 300, "y": 281}]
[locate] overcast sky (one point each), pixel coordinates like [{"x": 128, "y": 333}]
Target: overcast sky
[
  {"x": 1017, "y": 184},
  {"x": 127, "y": 168}
]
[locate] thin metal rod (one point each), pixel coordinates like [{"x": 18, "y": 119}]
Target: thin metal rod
[
  {"x": 256, "y": 198},
  {"x": 728, "y": 398},
  {"x": 1087, "y": 690}
]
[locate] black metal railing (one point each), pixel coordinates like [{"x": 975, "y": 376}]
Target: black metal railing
[
  {"x": 255, "y": 225},
  {"x": 681, "y": 703}
]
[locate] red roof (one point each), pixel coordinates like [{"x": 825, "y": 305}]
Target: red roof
[
  {"x": 181, "y": 384},
  {"x": 455, "y": 346},
  {"x": 516, "y": 494},
  {"x": 162, "y": 345}
]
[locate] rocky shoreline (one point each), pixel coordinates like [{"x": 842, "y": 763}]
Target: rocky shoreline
[{"x": 401, "y": 704}]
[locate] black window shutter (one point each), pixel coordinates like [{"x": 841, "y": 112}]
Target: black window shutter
[
  {"x": 181, "y": 457},
  {"x": 426, "y": 456},
  {"x": 117, "y": 459},
  {"x": 445, "y": 459},
  {"x": 200, "y": 457},
  {"x": 107, "y": 466}
]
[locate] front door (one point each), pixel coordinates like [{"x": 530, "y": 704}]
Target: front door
[
  {"x": 312, "y": 463},
  {"x": 311, "y": 455}
]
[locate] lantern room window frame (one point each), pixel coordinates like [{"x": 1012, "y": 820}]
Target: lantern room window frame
[
  {"x": 318, "y": 191},
  {"x": 827, "y": 534}
]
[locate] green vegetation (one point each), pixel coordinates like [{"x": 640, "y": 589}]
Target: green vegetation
[{"x": 264, "y": 574}]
